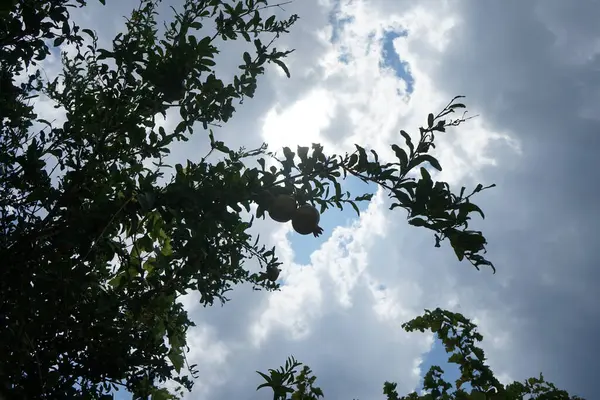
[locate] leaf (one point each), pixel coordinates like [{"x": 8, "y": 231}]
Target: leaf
[
  {"x": 355, "y": 208},
  {"x": 180, "y": 127},
  {"x": 146, "y": 200},
  {"x": 176, "y": 358},
  {"x": 430, "y": 119},
  {"x": 247, "y": 58},
  {"x": 455, "y": 358},
  {"x": 425, "y": 175},
  {"x": 402, "y": 156},
  {"x": 466, "y": 208},
  {"x": 144, "y": 243},
  {"x": 418, "y": 222},
  {"x": 363, "y": 160},
  {"x": 303, "y": 153},
  {"x": 441, "y": 126},
  {"x": 104, "y": 54},
  {"x": 283, "y": 67},
  {"x": 269, "y": 21},
  {"x": 375, "y": 156},
  {"x": 402, "y": 197},
  {"x": 429, "y": 158},
  {"x": 409, "y": 142},
  {"x": 460, "y": 253},
  {"x": 58, "y": 41},
  {"x": 263, "y": 385},
  {"x": 116, "y": 281},
  {"x": 288, "y": 153},
  {"x": 88, "y": 32},
  {"x": 167, "y": 250},
  {"x": 266, "y": 378},
  {"x": 352, "y": 160}
]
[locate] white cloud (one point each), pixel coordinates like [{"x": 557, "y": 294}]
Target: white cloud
[{"x": 300, "y": 124}]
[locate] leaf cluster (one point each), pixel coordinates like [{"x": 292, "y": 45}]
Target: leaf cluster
[
  {"x": 459, "y": 337},
  {"x": 288, "y": 380}
]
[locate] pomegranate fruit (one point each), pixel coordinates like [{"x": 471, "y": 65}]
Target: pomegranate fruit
[
  {"x": 271, "y": 274},
  {"x": 282, "y": 208},
  {"x": 306, "y": 220}
]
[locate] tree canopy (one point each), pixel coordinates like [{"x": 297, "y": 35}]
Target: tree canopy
[{"x": 100, "y": 237}]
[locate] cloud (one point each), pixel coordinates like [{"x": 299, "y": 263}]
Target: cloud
[
  {"x": 531, "y": 72},
  {"x": 527, "y": 81}
]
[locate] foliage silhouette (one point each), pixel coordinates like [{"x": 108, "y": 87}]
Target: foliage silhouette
[{"x": 459, "y": 337}]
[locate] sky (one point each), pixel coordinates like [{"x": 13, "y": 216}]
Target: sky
[{"x": 363, "y": 70}]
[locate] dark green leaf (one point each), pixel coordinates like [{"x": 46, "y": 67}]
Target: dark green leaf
[
  {"x": 58, "y": 41},
  {"x": 355, "y": 208},
  {"x": 418, "y": 222},
  {"x": 466, "y": 208},
  {"x": 302, "y": 153},
  {"x": 408, "y": 141},
  {"x": 283, "y": 67},
  {"x": 430, "y": 159},
  {"x": 402, "y": 156},
  {"x": 352, "y": 160}
]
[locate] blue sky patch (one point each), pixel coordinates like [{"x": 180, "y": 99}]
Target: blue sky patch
[
  {"x": 336, "y": 23},
  {"x": 344, "y": 57},
  {"x": 121, "y": 394},
  {"x": 391, "y": 59},
  {"x": 337, "y": 26}
]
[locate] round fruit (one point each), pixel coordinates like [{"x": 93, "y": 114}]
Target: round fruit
[
  {"x": 282, "y": 208},
  {"x": 273, "y": 274},
  {"x": 270, "y": 274},
  {"x": 306, "y": 220}
]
